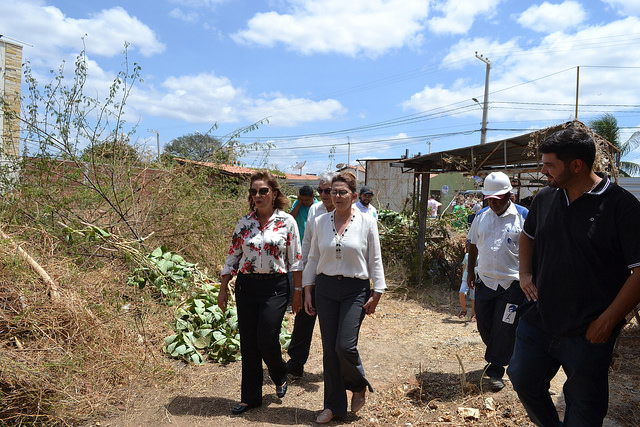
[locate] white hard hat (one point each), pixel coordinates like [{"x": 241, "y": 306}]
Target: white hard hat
[{"x": 496, "y": 184}]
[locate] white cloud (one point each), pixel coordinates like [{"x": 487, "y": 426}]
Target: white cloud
[
  {"x": 545, "y": 73},
  {"x": 207, "y": 98},
  {"x": 625, "y": 7},
  {"x": 177, "y": 13},
  {"x": 369, "y": 27},
  {"x": 198, "y": 3},
  {"x": 548, "y": 18},
  {"x": 55, "y": 35},
  {"x": 458, "y": 15}
]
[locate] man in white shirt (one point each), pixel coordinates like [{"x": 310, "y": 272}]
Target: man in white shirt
[
  {"x": 364, "y": 202},
  {"x": 303, "y": 326},
  {"x": 494, "y": 236}
]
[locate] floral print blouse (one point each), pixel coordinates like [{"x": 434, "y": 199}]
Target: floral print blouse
[{"x": 275, "y": 248}]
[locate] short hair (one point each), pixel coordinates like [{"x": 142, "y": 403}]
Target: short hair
[
  {"x": 348, "y": 178},
  {"x": 326, "y": 177},
  {"x": 281, "y": 200},
  {"x": 570, "y": 144},
  {"x": 306, "y": 191}
]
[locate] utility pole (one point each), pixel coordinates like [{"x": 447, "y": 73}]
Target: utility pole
[
  {"x": 157, "y": 141},
  {"x": 485, "y": 107},
  {"x": 348, "y": 151}
]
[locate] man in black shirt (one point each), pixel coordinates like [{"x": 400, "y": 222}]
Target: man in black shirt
[{"x": 578, "y": 249}]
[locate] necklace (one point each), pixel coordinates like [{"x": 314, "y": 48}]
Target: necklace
[{"x": 336, "y": 238}]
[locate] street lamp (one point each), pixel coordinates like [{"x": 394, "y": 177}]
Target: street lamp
[{"x": 157, "y": 141}]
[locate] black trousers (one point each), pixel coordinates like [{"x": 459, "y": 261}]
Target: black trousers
[
  {"x": 302, "y": 335},
  {"x": 261, "y": 305},
  {"x": 339, "y": 302},
  {"x": 498, "y": 335}
]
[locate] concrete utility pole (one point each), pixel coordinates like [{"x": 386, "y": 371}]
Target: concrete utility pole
[
  {"x": 157, "y": 141},
  {"x": 485, "y": 107}
]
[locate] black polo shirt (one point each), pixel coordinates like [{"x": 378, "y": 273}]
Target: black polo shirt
[{"x": 582, "y": 253}]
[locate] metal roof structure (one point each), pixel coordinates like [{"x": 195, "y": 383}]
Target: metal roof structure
[{"x": 519, "y": 152}]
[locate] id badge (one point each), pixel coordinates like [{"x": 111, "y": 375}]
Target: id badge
[{"x": 509, "y": 315}]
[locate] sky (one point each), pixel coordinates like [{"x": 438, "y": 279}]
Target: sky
[{"x": 334, "y": 81}]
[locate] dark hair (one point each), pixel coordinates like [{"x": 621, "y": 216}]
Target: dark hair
[
  {"x": 570, "y": 144},
  {"x": 305, "y": 191},
  {"x": 281, "y": 200},
  {"x": 348, "y": 178}
]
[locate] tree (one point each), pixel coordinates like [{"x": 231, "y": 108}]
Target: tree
[
  {"x": 200, "y": 147},
  {"x": 110, "y": 150},
  {"x": 607, "y": 127}
]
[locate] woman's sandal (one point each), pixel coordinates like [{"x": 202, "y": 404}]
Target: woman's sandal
[{"x": 462, "y": 314}]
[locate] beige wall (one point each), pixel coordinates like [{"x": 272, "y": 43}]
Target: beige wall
[{"x": 10, "y": 92}]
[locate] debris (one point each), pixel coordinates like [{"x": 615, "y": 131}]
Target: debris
[{"x": 469, "y": 413}]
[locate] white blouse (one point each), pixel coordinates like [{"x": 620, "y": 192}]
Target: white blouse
[{"x": 354, "y": 254}]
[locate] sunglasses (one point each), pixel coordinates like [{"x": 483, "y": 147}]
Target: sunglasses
[
  {"x": 341, "y": 193},
  {"x": 325, "y": 191},
  {"x": 262, "y": 191}
]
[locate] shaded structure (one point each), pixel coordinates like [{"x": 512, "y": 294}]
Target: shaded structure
[{"x": 513, "y": 155}]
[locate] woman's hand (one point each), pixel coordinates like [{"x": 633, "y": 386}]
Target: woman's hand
[
  {"x": 370, "y": 306},
  {"x": 308, "y": 303},
  {"x": 296, "y": 301},
  {"x": 223, "y": 294}
]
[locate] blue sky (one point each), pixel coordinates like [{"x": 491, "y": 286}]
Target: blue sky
[{"x": 359, "y": 78}]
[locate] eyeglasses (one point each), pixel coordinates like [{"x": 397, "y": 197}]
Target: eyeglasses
[
  {"x": 325, "y": 190},
  {"x": 340, "y": 193},
  {"x": 262, "y": 191}
]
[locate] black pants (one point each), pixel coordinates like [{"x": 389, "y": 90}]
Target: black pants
[
  {"x": 302, "y": 335},
  {"x": 499, "y": 336},
  {"x": 339, "y": 302},
  {"x": 261, "y": 305}
]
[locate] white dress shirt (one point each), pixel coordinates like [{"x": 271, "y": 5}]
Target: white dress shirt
[
  {"x": 360, "y": 255},
  {"x": 497, "y": 239},
  {"x": 315, "y": 210}
]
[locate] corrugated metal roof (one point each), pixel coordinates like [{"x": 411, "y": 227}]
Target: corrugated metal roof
[{"x": 519, "y": 152}]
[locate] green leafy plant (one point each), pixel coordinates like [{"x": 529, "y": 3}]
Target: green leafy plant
[
  {"x": 202, "y": 329},
  {"x": 166, "y": 270}
]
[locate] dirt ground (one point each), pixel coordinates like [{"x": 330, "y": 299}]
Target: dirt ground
[{"x": 413, "y": 355}]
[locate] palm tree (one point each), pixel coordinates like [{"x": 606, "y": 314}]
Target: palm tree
[{"x": 607, "y": 127}]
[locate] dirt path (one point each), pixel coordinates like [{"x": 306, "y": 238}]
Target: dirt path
[{"x": 409, "y": 353}]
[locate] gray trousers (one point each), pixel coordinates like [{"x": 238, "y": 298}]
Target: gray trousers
[{"x": 339, "y": 302}]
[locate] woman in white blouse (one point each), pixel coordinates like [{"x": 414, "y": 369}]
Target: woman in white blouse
[
  {"x": 265, "y": 246},
  {"x": 343, "y": 258}
]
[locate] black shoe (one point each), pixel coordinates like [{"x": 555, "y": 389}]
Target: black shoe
[
  {"x": 241, "y": 409},
  {"x": 495, "y": 384},
  {"x": 294, "y": 370},
  {"x": 281, "y": 390}
]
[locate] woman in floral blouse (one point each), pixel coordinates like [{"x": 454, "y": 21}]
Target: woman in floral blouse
[{"x": 265, "y": 246}]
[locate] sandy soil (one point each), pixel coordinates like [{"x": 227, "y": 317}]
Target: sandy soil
[{"x": 410, "y": 352}]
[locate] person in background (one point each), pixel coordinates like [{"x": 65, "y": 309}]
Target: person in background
[
  {"x": 364, "y": 202},
  {"x": 264, "y": 247},
  {"x": 494, "y": 236},
  {"x": 300, "y": 208},
  {"x": 432, "y": 207},
  {"x": 304, "y": 323},
  {"x": 464, "y": 289},
  {"x": 344, "y": 256},
  {"x": 580, "y": 266}
]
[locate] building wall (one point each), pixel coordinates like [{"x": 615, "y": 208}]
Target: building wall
[
  {"x": 631, "y": 184},
  {"x": 392, "y": 188},
  {"x": 10, "y": 92}
]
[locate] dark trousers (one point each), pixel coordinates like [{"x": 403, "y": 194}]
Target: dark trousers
[
  {"x": 339, "y": 302},
  {"x": 536, "y": 360},
  {"x": 261, "y": 305},
  {"x": 498, "y": 335},
  {"x": 302, "y": 335}
]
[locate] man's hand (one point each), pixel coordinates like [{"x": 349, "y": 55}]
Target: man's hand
[
  {"x": 223, "y": 296},
  {"x": 296, "y": 302},
  {"x": 529, "y": 289},
  {"x": 599, "y": 330}
]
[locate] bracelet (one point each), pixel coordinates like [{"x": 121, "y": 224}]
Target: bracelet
[{"x": 297, "y": 289}]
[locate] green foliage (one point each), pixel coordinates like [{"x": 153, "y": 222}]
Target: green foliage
[
  {"x": 202, "y": 329},
  {"x": 607, "y": 127},
  {"x": 168, "y": 272},
  {"x": 200, "y": 147},
  {"x": 109, "y": 151}
]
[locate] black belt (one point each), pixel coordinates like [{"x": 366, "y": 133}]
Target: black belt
[{"x": 261, "y": 276}]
